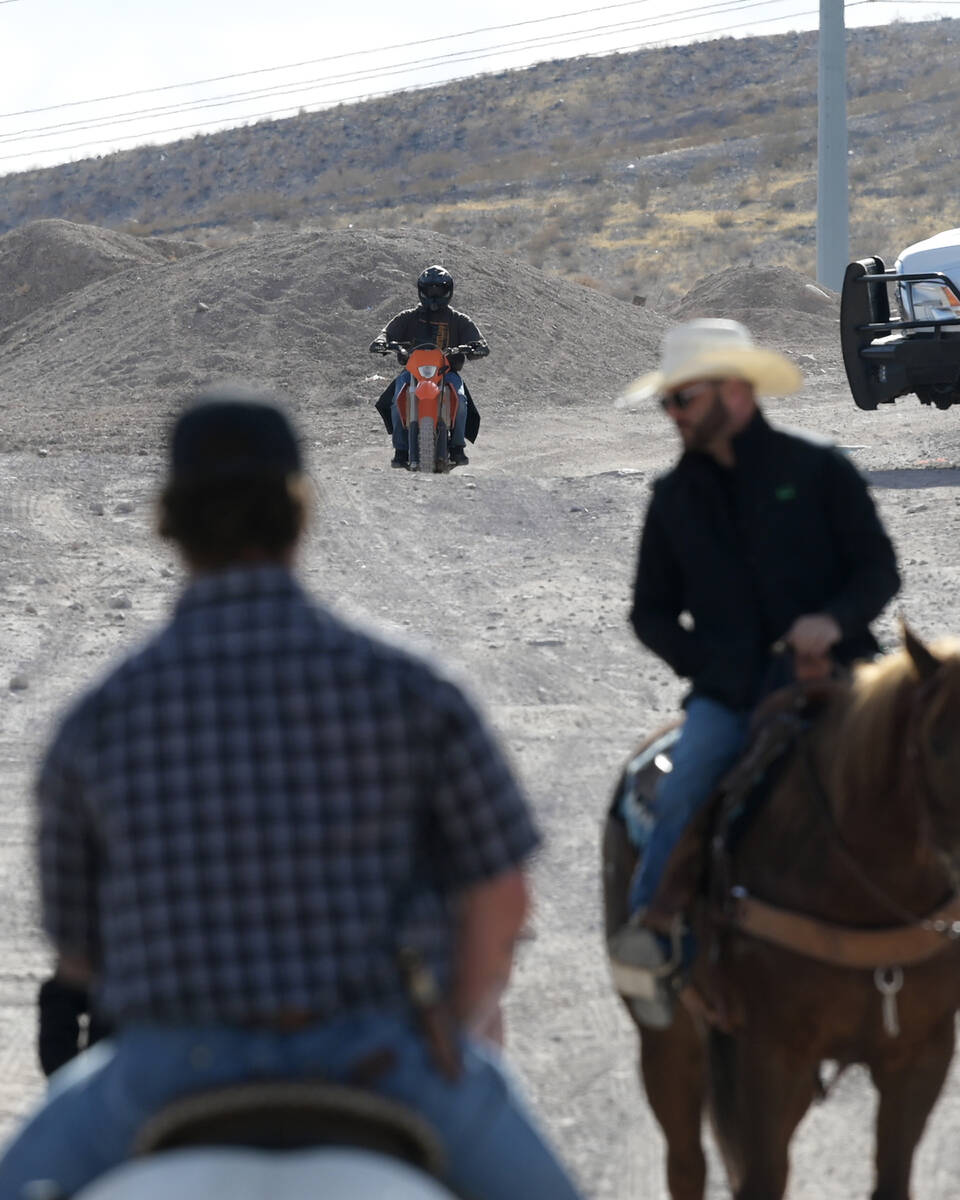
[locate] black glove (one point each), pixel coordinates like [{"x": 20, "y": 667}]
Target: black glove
[
  {"x": 59, "y": 1039},
  {"x": 455, "y": 360},
  {"x": 479, "y": 350},
  {"x": 378, "y": 346},
  {"x": 60, "y": 1007}
]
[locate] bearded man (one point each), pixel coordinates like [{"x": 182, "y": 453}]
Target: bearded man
[{"x": 758, "y": 540}]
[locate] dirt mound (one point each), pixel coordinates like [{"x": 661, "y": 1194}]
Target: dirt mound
[
  {"x": 777, "y": 304},
  {"x": 296, "y": 311},
  {"x": 45, "y": 260}
]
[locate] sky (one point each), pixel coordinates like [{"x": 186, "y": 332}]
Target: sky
[{"x": 85, "y": 77}]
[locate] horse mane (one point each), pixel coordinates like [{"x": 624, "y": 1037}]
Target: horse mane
[{"x": 870, "y": 745}]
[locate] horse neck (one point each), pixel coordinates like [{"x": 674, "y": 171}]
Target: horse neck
[{"x": 877, "y": 802}]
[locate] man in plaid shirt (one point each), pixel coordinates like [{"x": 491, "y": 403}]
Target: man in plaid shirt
[{"x": 249, "y": 823}]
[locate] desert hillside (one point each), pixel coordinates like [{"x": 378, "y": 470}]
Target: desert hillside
[{"x": 635, "y": 174}]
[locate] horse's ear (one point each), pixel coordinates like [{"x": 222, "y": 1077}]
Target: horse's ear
[{"x": 924, "y": 660}]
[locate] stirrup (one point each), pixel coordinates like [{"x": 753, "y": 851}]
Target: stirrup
[
  {"x": 630, "y": 979},
  {"x": 678, "y": 931}
]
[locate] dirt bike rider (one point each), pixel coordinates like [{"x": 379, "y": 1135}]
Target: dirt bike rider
[{"x": 432, "y": 321}]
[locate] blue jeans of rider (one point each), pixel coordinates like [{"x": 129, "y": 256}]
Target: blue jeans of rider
[
  {"x": 711, "y": 739},
  {"x": 457, "y": 434},
  {"x": 97, "y": 1103}
]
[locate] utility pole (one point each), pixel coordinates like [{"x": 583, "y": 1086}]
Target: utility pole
[{"x": 833, "y": 216}]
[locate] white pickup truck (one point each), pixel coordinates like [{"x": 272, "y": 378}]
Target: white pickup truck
[{"x": 891, "y": 350}]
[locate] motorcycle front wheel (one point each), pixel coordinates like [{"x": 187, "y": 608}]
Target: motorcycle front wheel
[
  {"x": 443, "y": 447},
  {"x": 427, "y": 445}
]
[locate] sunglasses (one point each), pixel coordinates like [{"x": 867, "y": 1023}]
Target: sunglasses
[{"x": 684, "y": 397}]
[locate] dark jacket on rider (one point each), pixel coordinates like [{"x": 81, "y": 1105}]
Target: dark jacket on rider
[
  {"x": 440, "y": 327},
  {"x": 789, "y": 530}
]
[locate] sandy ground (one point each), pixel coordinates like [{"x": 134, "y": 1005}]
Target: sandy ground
[{"x": 515, "y": 570}]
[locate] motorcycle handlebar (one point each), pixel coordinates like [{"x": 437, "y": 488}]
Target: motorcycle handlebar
[{"x": 468, "y": 350}]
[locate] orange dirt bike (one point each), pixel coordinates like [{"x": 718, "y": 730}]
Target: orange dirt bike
[{"x": 428, "y": 403}]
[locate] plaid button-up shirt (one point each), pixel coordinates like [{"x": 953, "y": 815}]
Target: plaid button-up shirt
[{"x": 253, "y": 812}]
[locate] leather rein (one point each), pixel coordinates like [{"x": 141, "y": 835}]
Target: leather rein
[
  {"x": 843, "y": 945},
  {"x": 915, "y": 940}
]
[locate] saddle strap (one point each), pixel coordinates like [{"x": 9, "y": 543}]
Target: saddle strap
[{"x": 843, "y": 945}]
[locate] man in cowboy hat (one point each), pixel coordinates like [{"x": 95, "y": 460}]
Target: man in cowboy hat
[{"x": 757, "y": 538}]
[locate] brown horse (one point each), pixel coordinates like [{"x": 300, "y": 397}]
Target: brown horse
[{"x": 852, "y": 955}]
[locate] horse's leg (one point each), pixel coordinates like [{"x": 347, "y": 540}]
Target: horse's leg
[
  {"x": 672, "y": 1061},
  {"x": 773, "y": 1088},
  {"x": 908, "y": 1090},
  {"x": 723, "y": 1103},
  {"x": 673, "y": 1064}
]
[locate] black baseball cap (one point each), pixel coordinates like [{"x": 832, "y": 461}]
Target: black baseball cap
[{"x": 226, "y": 437}]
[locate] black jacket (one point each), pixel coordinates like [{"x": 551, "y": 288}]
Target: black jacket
[
  {"x": 443, "y": 327},
  {"x": 789, "y": 530}
]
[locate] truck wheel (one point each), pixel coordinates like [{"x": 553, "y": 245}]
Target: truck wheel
[
  {"x": 942, "y": 397},
  {"x": 860, "y": 304}
]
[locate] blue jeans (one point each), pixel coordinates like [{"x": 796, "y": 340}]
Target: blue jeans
[
  {"x": 97, "y": 1102},
  {"x": 458, "y": 433},
  {"x": 711, "y": 740}
]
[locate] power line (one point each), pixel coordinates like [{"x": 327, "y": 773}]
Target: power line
[
  {"x": 278, "y": 114},
  {"x": 311, "y": 62},
  {"x": 714, "y": 9},
  {"x": 364, "y": 96}
]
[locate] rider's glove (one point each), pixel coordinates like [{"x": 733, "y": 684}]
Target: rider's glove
[
  {"x": 378, "y": 346},
  {"x": 479, "y": 350}
]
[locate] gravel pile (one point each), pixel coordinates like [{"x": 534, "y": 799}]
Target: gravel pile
[
  {"x": 118, "y": 332},
  {"x": 45, "y": 260},
  {"x": 779, "y": 305}
]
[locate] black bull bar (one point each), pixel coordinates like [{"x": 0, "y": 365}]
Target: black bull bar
[{"x": 927, "y": 362}]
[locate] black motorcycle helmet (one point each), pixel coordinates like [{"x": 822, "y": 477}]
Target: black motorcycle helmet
[{"x": 435, "y": 288}]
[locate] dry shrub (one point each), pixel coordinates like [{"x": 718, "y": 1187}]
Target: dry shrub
[
  {"x": 546, "y": 237},
  {"x": 746, "y": 194},
  {"x": 781, "y": 149},
  {"x": 784, "y": 197},
  {"x": 703, "y": 171},
  {"x": 740, "y": 249}
]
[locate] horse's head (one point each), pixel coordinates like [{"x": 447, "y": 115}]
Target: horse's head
[{"x": 934, "y": 734}]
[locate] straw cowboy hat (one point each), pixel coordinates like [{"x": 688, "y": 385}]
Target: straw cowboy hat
[{"x": 713, "y": 349}]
